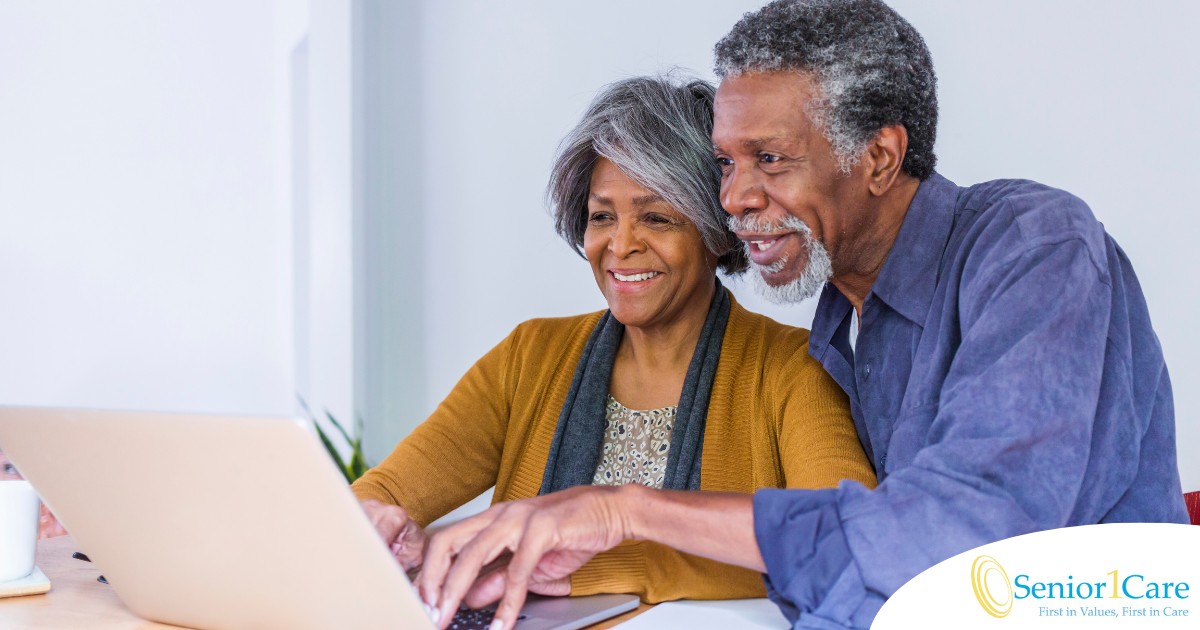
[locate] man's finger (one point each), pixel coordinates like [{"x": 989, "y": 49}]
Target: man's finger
[
  {"x": 486, "y": 590},
  {"x": 439, "y": 552},
  {"x": 560, "y": 587},
  {"x": 469, "y": 563},
  {"x": 532, "y": 546}
]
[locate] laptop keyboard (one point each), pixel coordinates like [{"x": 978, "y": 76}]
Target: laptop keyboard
[{"x": 474, "y": 619}]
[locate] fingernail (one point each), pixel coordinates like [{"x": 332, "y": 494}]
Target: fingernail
[
  {"x": 496, "y": 625},
  {"x": 436, "y": 615},
  {"x": 428, "y": 610}
]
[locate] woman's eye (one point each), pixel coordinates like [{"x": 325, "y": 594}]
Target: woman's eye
[
  {"x": 658, "y": 220},
  {"x": 724, "y": 162},
  {"x": 599, "y": 217},
  {"x": 9, "y": 469}
]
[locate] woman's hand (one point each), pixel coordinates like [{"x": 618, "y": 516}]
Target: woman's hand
[
  {"x": 404, "y": 537},
  {"x": 48, "y": 526},
  {"x": 550, "y": 537}
]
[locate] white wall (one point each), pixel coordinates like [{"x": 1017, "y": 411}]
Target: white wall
[
  {"x": 144, "y": 253},
  {"x": 329, "y": 266}
]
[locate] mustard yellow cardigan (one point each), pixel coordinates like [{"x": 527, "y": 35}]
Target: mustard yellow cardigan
[{"x": 775, "y": 419}]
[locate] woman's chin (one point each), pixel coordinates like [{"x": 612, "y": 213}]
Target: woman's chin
[{"x": 632, "y": 315}]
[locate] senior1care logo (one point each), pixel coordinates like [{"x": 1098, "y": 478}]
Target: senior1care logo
[
  {"x": 1144, "y": 597},
  {"x": 1133, "y": 575}
]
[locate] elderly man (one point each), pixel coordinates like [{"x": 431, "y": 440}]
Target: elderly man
[{"x": 993, "y": 340}]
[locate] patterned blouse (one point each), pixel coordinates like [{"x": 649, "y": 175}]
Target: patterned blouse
[{"x": 635, "y": 446}]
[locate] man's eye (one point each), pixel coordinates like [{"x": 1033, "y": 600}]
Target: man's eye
[
  {"x": 9, "y": 469},
  {"x": 769, "y": 158},
  {"x": 723, "y": 161}
]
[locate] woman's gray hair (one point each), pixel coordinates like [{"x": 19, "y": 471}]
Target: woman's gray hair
[
  {"x": 872, "y": 68},
  {"x": 658, "y": 131}
]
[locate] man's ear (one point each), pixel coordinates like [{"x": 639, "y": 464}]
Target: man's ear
[{"x": 883, "y": 158}]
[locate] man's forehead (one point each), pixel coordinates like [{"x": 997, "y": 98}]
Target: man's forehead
[
  {"x": 772, "y": 85},
  {"x": 762, "y": 108}
]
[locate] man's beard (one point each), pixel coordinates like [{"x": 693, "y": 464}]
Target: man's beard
[{"x": 816, "y": 273}]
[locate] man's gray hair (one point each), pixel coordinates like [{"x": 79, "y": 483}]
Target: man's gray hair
[
  {"x": 871, "y": 66},
  {"x": 658, "y": 131}
]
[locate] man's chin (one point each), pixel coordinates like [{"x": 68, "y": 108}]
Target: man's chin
[
  {"x": 789, "y": 286},
  {"x": 775, "y": 279},
  {"x": 779, "y": 287}
]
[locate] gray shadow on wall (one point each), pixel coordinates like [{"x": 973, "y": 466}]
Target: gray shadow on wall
[{"x": 389, "y": 232}]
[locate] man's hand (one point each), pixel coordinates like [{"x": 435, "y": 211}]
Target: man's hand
[
  {"x": 550, "y": 537},
  {"x": 404, "y": 537}
]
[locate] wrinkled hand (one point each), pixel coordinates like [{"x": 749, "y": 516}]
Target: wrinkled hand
[
  {"x": 48, "y": 526},
  {"x": 550, "y": 537},
  {"x": 403, "y": 535},
  {"x": 491, "y": 583}
]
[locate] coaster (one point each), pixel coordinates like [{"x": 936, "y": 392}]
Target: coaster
[{"x": 35, "y": 583}]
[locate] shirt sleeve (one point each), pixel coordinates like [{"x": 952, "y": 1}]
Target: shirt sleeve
[
  {"x": 1004, "y": 453},
  {"x": 454, "y": 455}
]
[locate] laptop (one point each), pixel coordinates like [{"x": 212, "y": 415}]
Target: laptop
[{"x": 229, "y": 522}]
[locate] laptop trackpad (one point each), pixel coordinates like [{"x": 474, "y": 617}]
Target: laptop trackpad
[{"x": 568, "y": 613}]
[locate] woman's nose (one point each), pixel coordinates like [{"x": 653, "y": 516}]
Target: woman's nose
[{"x": 625, "y": 240}]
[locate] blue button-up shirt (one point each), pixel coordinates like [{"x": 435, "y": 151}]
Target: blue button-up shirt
[{"x": 1005, "y": 380}]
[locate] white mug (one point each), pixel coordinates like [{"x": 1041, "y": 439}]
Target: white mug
[{"x": 18, "y": 528}]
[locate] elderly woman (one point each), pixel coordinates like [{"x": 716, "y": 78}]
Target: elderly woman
[{"x": 675, "y": 386}]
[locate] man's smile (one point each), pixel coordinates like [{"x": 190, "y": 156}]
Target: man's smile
[{"x": 765, "y": 248}]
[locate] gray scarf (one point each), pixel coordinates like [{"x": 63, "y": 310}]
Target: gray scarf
[{"x": 579, "y": 439}]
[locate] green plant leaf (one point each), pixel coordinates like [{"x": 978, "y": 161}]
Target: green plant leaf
[
  {"x": 357, "y": 464},
  {"x": 333, "y": 452},
  {"x": 338, "y": 426}
]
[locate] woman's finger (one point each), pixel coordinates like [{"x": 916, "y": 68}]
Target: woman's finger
[{"x": 409, "y": 545}]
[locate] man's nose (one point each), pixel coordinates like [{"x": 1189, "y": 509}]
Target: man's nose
[{"x": 742, "y": 192}]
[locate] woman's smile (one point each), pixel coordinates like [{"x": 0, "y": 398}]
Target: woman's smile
[{"x": 633, "y": 279}]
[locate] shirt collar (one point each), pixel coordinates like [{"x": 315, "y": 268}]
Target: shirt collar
[{"x": 909, "y": 275}]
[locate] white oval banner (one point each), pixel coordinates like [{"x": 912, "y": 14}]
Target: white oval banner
[{"x": 1121, "y": 575}]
